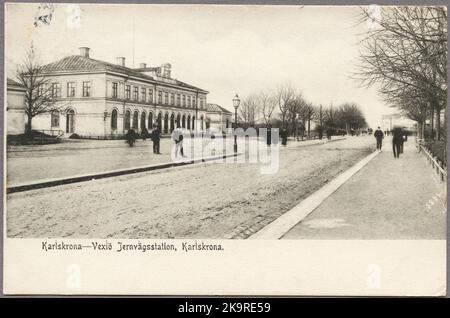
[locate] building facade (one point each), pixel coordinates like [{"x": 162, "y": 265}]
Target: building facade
[
  {"x": 15, "y": 107},
  {"x": 218, "y": 118},
  {"x": 97, "y": 98}
]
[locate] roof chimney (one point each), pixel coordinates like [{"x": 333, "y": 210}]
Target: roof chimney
[
  {"x": 84, "y": 51},
  {"x": 142, "y": 65},
  {"x": 120, "y": 60}
]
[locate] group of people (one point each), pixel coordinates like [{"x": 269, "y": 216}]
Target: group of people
[
  {"x": 155, "y": 136},
  {"x": 283, "y": 135},
  {"x": 399, "y": 137}
]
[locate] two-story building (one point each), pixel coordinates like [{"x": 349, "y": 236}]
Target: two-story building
[
  {"x": 98, "y": 98},
  {"x": 15, "y": 107}
]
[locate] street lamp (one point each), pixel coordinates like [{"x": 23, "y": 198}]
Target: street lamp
[{"x": 236, "y": 102}]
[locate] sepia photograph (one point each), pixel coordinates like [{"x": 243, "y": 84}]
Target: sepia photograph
[{"x": 151, "y": 127}]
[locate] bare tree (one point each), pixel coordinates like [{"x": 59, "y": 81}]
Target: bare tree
[
  {"x": 285, "y": 96},
  {"x": 267, "y": 104},
  {"x": 407, "y": 52},
  {"x": 319, "y": 117},
  {"x": 349, "y": 116},
  {"x": 330, "y": 115},
  {"x": 307, "y": 114},
  {"x": 248, "y": 112},
  {"x": 40, "y": 93}
]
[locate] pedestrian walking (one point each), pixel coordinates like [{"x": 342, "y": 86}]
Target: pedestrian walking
[
  {"x": 156, "y": 137},
  {"x": 130, "y": 137},
  {"x": 269, "y": 135},
  {"x": 284, "y": 136},
  {"x": 177, "y": 137},
  {"x": 144, "y": 133},
  {"x": 379, "y": 137},
  {"x": 329, "y": 133},
  {"x": 397, "y": 141}
]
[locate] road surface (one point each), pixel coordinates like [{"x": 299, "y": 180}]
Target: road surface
[{"x": 202, "y": 201}]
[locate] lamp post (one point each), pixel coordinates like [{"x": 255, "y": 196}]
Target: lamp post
[{"x": 236, "y": 102}]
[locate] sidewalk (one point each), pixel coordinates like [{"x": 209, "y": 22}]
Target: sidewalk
[
  {"x": 387, "y": 199},
  {"x": 29, "y": 164}
]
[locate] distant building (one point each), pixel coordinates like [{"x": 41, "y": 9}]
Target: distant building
[
  {"x": 15, "y": 107},
  {"x": 396, "y": 120},
  {"x": 98, "y": 98},
  {"x": 218, "y": 118}
]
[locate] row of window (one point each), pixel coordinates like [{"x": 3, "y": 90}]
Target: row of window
[
  {"x": 55, "y": 89},
  {"x": 169, "y": 98},
  {"x": 169, "y": 122},
  {"x": 180, "y": 120}
]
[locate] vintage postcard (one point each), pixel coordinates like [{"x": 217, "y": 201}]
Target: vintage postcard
[{"x": 155, "y": 149}]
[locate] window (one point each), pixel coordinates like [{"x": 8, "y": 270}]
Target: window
[
  {"x": 143, "y": 94},
  {"x": 71, "y": 89},
  {"x": 150, "y": 96},
  {"x": 189, "y": 101},
  {"x": 178, "y": 99},
  {"x": 114, "y": 90},
  {"x": 86, "y": 89},
  {"x": 41, "y": 91},
  {"x": 193, "y": 102},
  {"x": 56, "y": 90},
  {"x": 150, "y": 121},
  {"x": 54, "y": 119},
  {"x": 184, "y": 100},
  {"x": 135, "y": 93},
  {"x": 135, "y": 120},
  {"x": 166, "y": 98},
  {"x": 127, "y": 119},
  {"x": 172, "y": 99},
  {"x": 128, "y": 92},
  {"x": 114, "y": 119},
  {"x": 143, "y": 118},
  {"x": 159, "y": 97},
  {"x": 201, "y": 103}
]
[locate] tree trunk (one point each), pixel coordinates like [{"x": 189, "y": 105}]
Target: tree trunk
[
  {"x": 432, "y": 122},
  {"x": 293, "y": 126},
  {"x": 420, "y": 129},
  {"x": 438, "y": 124},
  {"x": 309, "y": 128},
  {"x": 28, "y": 127}
]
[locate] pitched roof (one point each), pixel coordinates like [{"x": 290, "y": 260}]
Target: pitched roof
[
  {"x": 12, "y": 84},
  {"x": 217, "y": 108},
  {"x": 81, "y": 63}
]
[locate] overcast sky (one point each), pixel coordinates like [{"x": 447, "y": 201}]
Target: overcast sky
[{"x": 223, "y": 49}]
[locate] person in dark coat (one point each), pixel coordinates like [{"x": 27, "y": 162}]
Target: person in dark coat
[
  {"x": 269, "y": 135},
  {"x": 144, "y": 133},
  {"x": 329, "y": 133},
  {"x": 156, "y": 137},
  {"x": 284, "y": 136},
  {"x": 397, "y": 141},
  {"x": 379, "y": 137},
  {"x": 130, "y": 137}
]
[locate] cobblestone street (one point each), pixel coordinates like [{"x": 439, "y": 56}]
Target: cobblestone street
[{"x": 202, "y": 201}]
